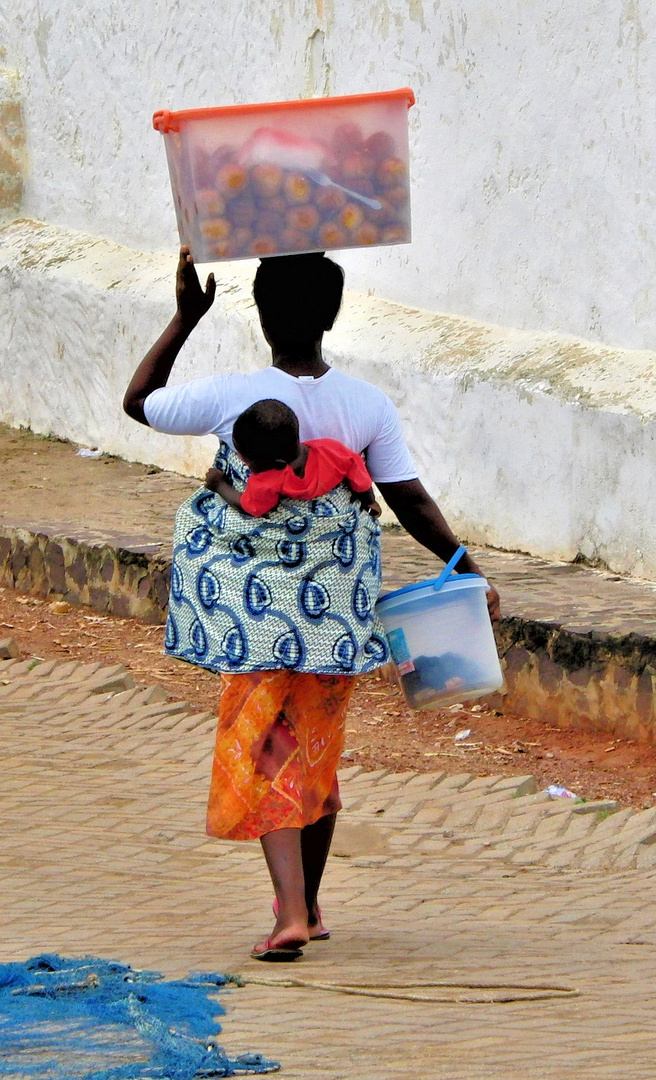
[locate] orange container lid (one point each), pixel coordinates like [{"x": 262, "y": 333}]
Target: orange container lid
[{"x": 164, "y": 120}]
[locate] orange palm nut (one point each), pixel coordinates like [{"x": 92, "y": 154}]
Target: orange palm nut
[
  {"x": 225, "y": 249},
  {"x": 357, "y": 166},
  {"x": 347, "y": 137},
  {"x": 367, "y": 233},
  {"x": 263, "y": 245},
  {"x": 330, "y": 200},
  {"x": 380, "y": 145},
  {"x": 296, "y": 187},
  {"x": 215, "y": 228},
  {"x": 397, "y": 195},
  {"x": 209, "y": 203},
  {"x": 266, "y": 180},
  {"x": 392, "y": 171},
  {"x": 231, "y": 180},
  {"x": 302, "y": 217},
  {"x": 351, "y": 216},
  {"x": 330, "y": 235}
]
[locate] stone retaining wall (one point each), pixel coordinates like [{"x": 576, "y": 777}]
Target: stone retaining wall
[
  {"x": 121, "y": 581},
  {"x": 589, "y": 681}
]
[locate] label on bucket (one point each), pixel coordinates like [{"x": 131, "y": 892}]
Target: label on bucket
[{"x": 400, "y": 651}]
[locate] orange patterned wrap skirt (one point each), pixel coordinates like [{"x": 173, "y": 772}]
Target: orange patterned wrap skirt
[{"x": 278, "y": 744}]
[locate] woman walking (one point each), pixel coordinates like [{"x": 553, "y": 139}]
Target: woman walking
[{"x": 282, "y": 605}]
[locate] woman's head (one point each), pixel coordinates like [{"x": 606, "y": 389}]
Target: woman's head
[
  {"x": 266, "y": 435},
  {"x": 298, "y": 297}
]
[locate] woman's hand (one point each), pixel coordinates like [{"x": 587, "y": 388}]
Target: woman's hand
[
  {"x": 193, "y": 302},
  {"x": 493, "y": 603}
]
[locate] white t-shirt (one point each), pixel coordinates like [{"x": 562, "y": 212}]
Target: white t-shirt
[{"x": 334, "y": 406}]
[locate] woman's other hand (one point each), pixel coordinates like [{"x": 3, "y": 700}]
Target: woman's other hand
[{"x": 193, "y": 301}]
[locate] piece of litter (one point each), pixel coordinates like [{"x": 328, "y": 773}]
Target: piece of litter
[
  {"x": 458, "y": 705},
  {"x": 476, "y": 708},
  {"x": 460, "y": 736},
  {"x": 558, "y": 792},
  {"x": 84, "y": 452},
  {"x": 60, "y": 607}
]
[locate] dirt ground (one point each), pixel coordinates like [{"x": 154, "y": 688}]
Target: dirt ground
[
  {"x": 43, "y": 480},
  {"x": 381, "y": 730}
]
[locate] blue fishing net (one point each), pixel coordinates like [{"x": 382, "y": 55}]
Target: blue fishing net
[{"x": 91, "y": 1019}]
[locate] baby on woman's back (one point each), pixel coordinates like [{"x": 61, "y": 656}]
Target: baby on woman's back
[{"x": 266, "y": 437}]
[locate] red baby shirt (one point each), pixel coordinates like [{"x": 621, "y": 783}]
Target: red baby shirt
[{"x": 328, "y": 463}]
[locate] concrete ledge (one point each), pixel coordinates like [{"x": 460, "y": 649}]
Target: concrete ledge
[{"x": 529, "y": 441}]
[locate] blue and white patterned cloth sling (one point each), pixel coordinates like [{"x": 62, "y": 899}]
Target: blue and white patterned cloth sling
[{"x": 295, "y": 589}]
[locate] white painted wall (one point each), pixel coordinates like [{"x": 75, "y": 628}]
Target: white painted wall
[
  {"x": 533, "y": 137},
  {"x": 534, "y": 442},
  {"x": 533, "y": 203}
]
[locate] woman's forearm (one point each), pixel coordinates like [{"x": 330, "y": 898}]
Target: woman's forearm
[
  {"x": 155, "y": 368},
  {"x": 420, "y": 515},
  {"x": 422, "y": 518}
]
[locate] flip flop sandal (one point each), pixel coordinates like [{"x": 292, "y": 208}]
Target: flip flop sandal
[
  {"x": 323, "y": 936},
  {"x": 279, "y": 953}
]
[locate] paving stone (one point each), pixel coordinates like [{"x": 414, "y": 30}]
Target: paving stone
[
  {"x": 8, "y": 649},
  {"x": 99, "y": 820},
  {"x": 600, "y": 806},
  {"x": 522, "y": 785}
]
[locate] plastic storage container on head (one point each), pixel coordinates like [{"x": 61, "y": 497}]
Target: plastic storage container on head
[
  {"x": 441, "y": 640},
  {"x": 290, "y": 176}
]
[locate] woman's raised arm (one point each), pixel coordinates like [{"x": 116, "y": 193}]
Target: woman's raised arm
[{"x": 192, "y": 303}]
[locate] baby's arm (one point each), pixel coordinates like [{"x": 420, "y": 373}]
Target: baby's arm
[
  {"x": 216, "y": 481},
  {"x": 248, "y": 502}
]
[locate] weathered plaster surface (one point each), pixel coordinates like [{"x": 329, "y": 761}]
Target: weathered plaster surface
[
  {"x": 13, "y": 157},
  {"x": 533, "y": 442},
  {"x": 532, "y": 139}
]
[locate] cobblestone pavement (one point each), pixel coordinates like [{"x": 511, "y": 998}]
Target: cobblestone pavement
[{"x": 433, "y": 879}]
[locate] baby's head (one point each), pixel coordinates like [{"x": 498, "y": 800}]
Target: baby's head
[
  {"x": 266, "y": 435},
  {"x": 298, "y": 298}
]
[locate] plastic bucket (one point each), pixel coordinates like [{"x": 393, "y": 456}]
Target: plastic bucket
[
  {"x": 441, "y": 640},
  {"x": 290, "y": 176}
]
